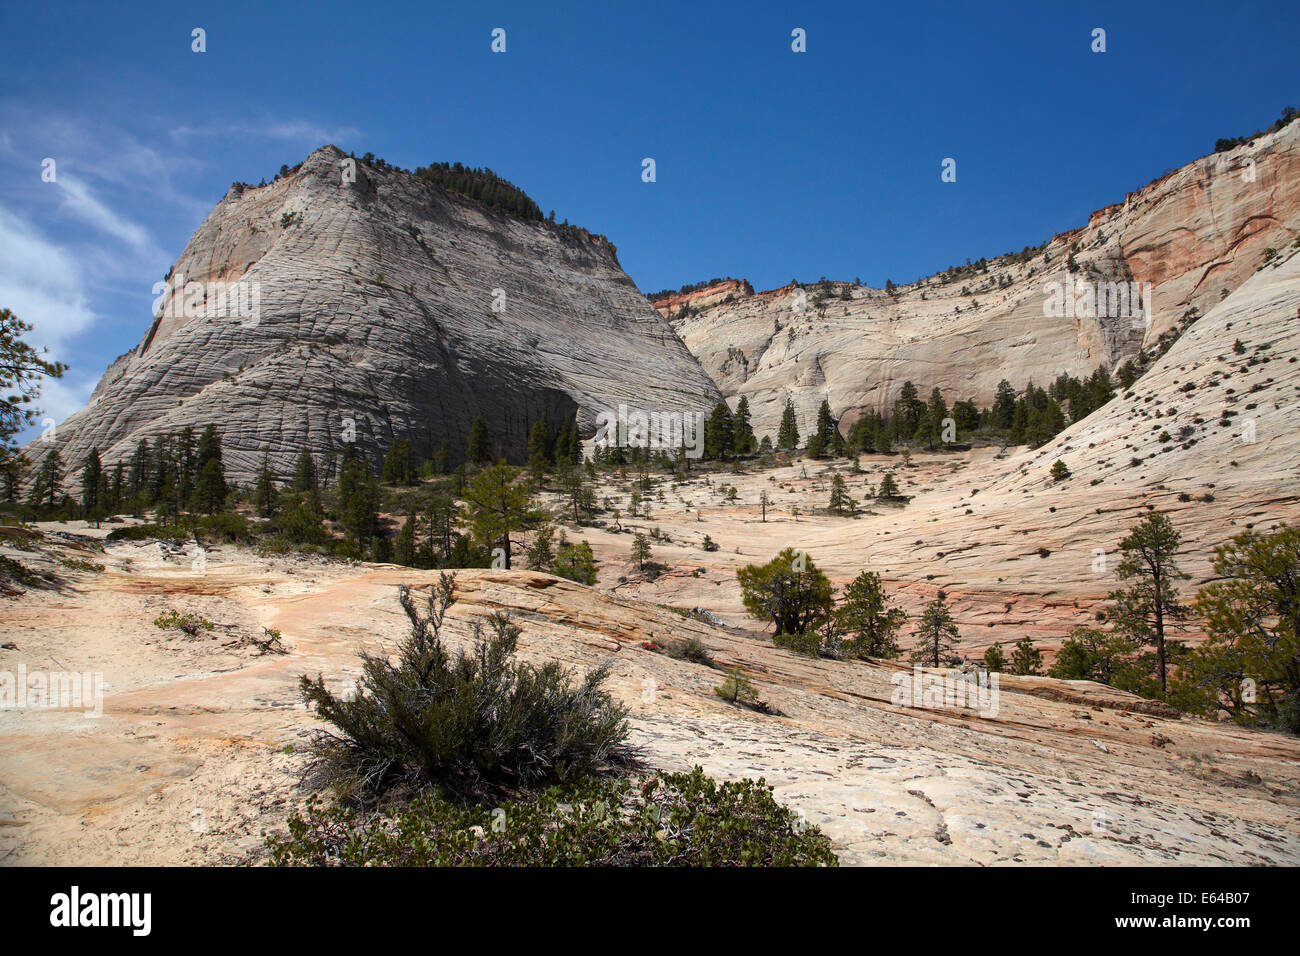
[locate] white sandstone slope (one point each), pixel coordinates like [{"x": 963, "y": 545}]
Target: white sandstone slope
[{"x": 375, "y": 305}]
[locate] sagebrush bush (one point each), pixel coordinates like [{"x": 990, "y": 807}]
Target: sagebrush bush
[
  {"x": 475, "y": 725},
  {"x": 689, "y": 649},
  {"x": 663, "y": 820}
]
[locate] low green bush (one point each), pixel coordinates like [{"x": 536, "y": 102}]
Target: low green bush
[{"x": 666, "y": 819}]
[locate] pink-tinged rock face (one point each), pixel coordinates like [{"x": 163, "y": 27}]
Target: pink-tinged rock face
[{"x": 1190, "y": 235}]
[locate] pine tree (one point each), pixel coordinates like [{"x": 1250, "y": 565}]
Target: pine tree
[
  {"x": 936, "y": 633},
  {"x": 1149, "y": 607},
  {"x": 304, "y": 473},
  {"x": 399, "y": 463},
  {"x": 540, "y": 553},
  {"x": 479, "y": 449},
  {"x": 540, "y": 459},
  {"x": 869, "y": 622},
  {"x": 1026, "y": 660},
  {"x": 210, "y": 487},
  {"x": 743, "y": 441},
  {"x": 907, "y": 411},
  {"x": 46, "y": 487},
  {"x": 994, "y": 660},
  {"x": 640, "y": 550},
  {"x": 404, "y": 546},
  {"x": 1004, "y": 405},
  {"x": 823, "y": 441},
  {"x": 787, "y": 436},
  {"x": 92, "y": 487},
  {"x": 719, "y": 433},
  {"x": 264, "y": 488},
  {"x": 575, "y": 562},
  {"x": 840, "y": 501},
  {"x": 187, "y": 464},
  {"x": 358, "y": 498},
  {"x": 499, "y": 505},
  {"x": 140, "y": 480},
  {"x": 888, "y": 487},
  {"x": 938, "y": 413}
]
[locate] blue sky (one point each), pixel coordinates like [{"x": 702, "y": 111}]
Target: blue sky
[{"x": 771, "y": 164}]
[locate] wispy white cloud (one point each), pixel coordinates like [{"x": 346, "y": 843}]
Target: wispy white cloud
[
  {"x": 303, "y": 131},
  {"x": 42, "y": 282},
  {"x": 81, "y": 202}
]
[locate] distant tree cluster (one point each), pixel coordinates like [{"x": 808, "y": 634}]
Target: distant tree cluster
[
  {"x": 1288, "y": 116},
  {"x": 689, "y": 287},
  {"x": 484, "y": 186}
]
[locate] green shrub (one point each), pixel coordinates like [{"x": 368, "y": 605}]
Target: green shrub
[
  {"x": 737, "y": 689},
  {"x": 689, "y": 649},
  {"x": 227, "y": 525},
  {"x": 144, "y": 532},
  {"x": 190, "y": 623},
  {"x": 809, "y": 642},
  {"x": 477, "y": 724},
  {"x": 663, "y": 820},
  {"x": 78, "y": 564}
]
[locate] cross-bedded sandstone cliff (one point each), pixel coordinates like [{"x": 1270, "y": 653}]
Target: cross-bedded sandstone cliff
[
  {"x": 1192, "y": 235},
  {"x": 369, "y": 306}
]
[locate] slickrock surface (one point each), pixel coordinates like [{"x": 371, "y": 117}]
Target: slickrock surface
[
  {"x": 189, "y": 761},
  {"x": 1191, "y": 234},
  {"x": 1018, "y": 553},
  {"x": 376, "y": 305}
]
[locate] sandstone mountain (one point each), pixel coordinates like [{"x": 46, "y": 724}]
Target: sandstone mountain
[
  {"x": 1193, "y": 235},
  {"x": 375, "y": 315}
]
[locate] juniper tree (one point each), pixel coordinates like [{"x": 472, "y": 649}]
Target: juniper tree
[{"x": 790, "y": 591}]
